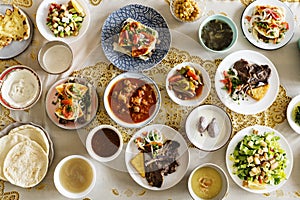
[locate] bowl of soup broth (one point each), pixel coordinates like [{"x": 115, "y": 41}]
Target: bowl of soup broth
[
  {"x": 74, "y": 176},
  {"x": 218, "y": 33},
  {"x": 208, "y": 181},
  {"x": 132, "y": 99},
  {"x": 104, "y": 143}
]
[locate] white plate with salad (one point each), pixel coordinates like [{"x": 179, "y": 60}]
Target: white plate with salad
[
  {"x": 268, "y": 24},
  {"x": 63, "y": 20},
  {"x": 158, "y": 136},
  {"x": 246, "y": 105},
  {"x": 262, "y": 155}
]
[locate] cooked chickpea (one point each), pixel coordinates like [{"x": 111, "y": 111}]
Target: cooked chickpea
[{"x": 186, "y": 10}]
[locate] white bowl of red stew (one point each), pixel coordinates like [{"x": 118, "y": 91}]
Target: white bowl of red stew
[
  {"x": 132, "y": 99},
  {"x": 188, "y": 84},
  {"x": 104, "y": 143}
]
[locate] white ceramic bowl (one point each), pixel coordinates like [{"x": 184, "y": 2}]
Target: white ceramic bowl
[
  {"x": 289, "y": 113},
  {"x": 222, "y": 18},
  {"x": 201, "y": 4},
  {"x": 20, "y": 87},
  {"x": 41, "y": 19},
  {"x": 55, "y": 57},
  {"x": 110, "y": 89},
  {"x": 62, "y": 189},
  {"x": 92, "y": 144},
  {"x": 197, "y": 100},
  {"x": 224, "y": 178}
]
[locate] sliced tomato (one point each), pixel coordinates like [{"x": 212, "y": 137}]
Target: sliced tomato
[
  {"x": 67, "y": 111},
  {"x": 248, "y": 18},
  {"x": 135, "y": 39},
  {"x": 285, "y": 25},
  {"x": 67, "y": 101},
  {"x": 192, "y": 74}
]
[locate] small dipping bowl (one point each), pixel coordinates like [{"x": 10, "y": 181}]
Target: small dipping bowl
[
  {"x": 20, "y": 87},
  {"x": 291, "y": 111},
  {"x": 74, "y": 176},
  {"x": 104, "y": 143},
  {"x": 221, "y": 45},
  {"x": 210, "y": 176},
  {"x": 55, "y": 57}
]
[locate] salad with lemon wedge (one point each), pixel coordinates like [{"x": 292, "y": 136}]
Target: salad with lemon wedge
[
  {"x": 65, "y": 19},
  {"x": 259, "y": 160}
]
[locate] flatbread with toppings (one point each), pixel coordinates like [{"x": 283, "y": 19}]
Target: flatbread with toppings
[
  {"x": 136, "y": 40},
  {"x": 268, "y": 23},
  {"x": 70, "y": 95},
  {"x": 14, "y": 26}
]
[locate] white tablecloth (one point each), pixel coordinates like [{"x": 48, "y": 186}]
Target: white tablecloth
[{"x": 117, "y": 184}]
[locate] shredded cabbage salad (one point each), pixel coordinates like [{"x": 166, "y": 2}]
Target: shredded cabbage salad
[
  {"x": 259, "y": 160},
  {"x": 152, "y": 141}
]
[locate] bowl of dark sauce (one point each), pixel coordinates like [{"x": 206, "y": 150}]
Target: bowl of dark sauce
[
  {"x": 218, "y": 33},
  {"x": 104, "y": 143}
]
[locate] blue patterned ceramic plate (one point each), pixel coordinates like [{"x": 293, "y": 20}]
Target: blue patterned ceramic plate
[{"x": 147, "y": 16}]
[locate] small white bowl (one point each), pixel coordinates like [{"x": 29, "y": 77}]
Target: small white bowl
[
  {"x": 20, "y": 87},
  {"x": 289, "y": 113},
  {"x": 92, "y": 143},
  {"x": 55, "y": 57},
  {"x": 224, "y": 179},
  {"x": 222, "y": 18},
  {"x": 197, "y": 100},
  {"x": 58, "y": 183},
  {"x": 110, "y": 88},
  {"x": 41, "y": 21},
  {"x": 201, "y": 4}
]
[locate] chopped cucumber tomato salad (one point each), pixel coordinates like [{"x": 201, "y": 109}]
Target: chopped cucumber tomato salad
[
  {"x": 233, "y": 85},
  {"x": 259, "y": 160},
  {"x": 65, "y": 20}
]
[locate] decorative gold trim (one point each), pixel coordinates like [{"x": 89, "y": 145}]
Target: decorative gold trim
[
  {"x": 171, "y": 113},
  {"x": 95, "y": 2},
  {"x": 13, "y": 195},
  {"x": 23, "y": 3}
]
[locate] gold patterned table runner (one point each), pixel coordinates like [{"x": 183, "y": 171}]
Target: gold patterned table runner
[{"x": 171, "y": 113}]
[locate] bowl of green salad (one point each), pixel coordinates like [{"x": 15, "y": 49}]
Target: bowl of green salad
[{"x": 259, "y": 159}]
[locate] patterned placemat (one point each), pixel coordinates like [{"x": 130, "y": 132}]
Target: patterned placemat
[
  {"x": 5, "y": 118},
  {"x": 171, "y": 113}
]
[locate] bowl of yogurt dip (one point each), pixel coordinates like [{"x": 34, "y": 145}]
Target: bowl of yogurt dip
[
  {"x": 20, "y": 87},
  {"x": 55, "y": 57}
]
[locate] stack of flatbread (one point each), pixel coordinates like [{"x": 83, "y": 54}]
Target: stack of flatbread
[
  {"x": 24, "y": 156},
  {"x": 14, "y": 26}
]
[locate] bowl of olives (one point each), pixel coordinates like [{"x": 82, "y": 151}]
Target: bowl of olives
[{"x": 218, "y": 33}]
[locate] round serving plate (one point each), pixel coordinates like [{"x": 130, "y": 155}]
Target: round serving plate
[
  {"x": 147, "y": 16},
  {"x": 16, "y": 47}
]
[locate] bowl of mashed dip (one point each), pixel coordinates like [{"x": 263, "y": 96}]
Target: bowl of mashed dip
[{"x": 20, "y": 87}]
